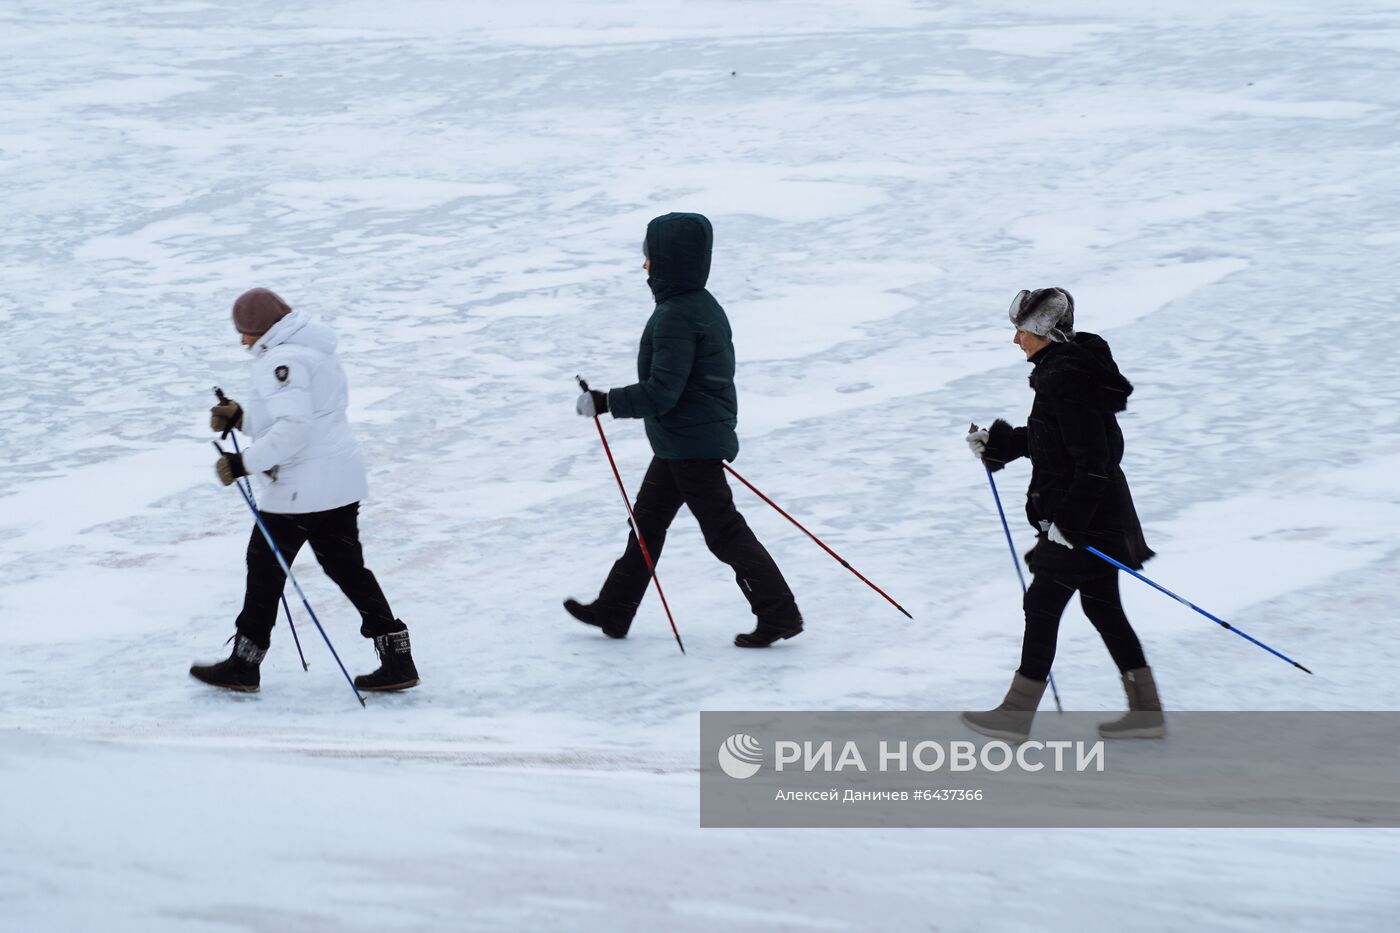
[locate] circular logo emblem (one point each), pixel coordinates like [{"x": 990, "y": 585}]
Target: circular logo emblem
[{"x": 740, "y": 756}]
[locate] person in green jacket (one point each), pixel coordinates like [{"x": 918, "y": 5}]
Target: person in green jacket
[{"x": 685, "y": 396}]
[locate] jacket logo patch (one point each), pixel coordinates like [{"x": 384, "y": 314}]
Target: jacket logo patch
[{"x": 281, "y": 372}]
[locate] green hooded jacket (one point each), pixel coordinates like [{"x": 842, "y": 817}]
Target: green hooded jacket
[{"x": 685, "y": 366}]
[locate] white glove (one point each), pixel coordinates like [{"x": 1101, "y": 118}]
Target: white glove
[
  {"x": 977, "y": 442},
  {"x": 592, "y": 403},
  {"x": 1054, "y": 533}
]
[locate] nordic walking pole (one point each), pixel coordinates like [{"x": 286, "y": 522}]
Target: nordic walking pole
[
  {"x": 820, "y": 543},
  {"x": 287, "y": 569},
  {"x": 290, "y": 624},
  {"x": 1016, "y": 562},
  {"x": 1186, "y": 602},
  {"x": 636, "y": 528}
]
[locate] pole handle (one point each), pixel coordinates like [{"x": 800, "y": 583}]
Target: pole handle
[{"x": 223, "y": 399}]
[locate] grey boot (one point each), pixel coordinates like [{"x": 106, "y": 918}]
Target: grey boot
[
  {"x": 1144, "y": 719},
  {"x": 1012, "y": 719}
]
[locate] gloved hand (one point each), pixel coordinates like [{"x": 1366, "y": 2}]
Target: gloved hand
[
  {"x": 977, "y": 441},
  {"x": 1053, "y": 532},
  {"x": 592, "y": 403},
  {"x": 226, "y": 416},
  {"x": 230, "y": 468}
]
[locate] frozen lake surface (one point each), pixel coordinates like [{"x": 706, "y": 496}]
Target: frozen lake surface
[{"x": 462, "y": 191}]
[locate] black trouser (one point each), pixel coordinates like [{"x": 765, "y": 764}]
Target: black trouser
[
  {"x": 1046, "y": 600},
  {"x": 334, "y": 536},
  {"x": 699, "y": 484}
]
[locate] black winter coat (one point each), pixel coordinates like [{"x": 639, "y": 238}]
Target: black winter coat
[
  {"x": 1075, "y": 447},
  {"x": 685, "y": 365}
]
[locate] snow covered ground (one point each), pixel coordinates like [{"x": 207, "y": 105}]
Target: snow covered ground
[{"x": 462, "y": 190}]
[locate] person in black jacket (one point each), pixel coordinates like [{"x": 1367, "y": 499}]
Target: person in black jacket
[
  {"x": 1078, "y": 497},
  {"x": 685, "y": 396}
]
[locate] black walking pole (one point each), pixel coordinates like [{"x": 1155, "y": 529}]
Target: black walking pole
[{"x": 229, "y": 432}]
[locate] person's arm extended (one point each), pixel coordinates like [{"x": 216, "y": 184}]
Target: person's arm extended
[
  {"x": 1004, "y": 444},
  {"x": 672, "y": 355}
]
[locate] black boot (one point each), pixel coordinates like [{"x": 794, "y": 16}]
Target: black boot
[
  {"x": 239, "y": 672},
  {"x": 766, "y": 633},
  {"x": 589, "y": 616},
  {"x": 396, "y": 670}
]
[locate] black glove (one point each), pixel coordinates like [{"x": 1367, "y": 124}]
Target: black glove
[
  {"x": 230, "y": 468},
  {"x": 592, "y": 403},
  {"x": 225, "y": 417}
]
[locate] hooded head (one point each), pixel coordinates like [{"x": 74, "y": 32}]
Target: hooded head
[
  {"x": 679, "y": 247},
  {"x": 257, "y": 309},
  {"x": 1045, "y": 312}
]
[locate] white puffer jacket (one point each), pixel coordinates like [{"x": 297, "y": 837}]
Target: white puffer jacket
[{"x": 296, "y": 417}]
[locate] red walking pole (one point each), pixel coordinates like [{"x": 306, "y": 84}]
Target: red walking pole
[
  {"x": 820, "y": 543},
  {"x": 636, "y": 528}
]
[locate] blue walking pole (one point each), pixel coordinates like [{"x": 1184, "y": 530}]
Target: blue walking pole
[
  {"x": 1016, "y": 562},
  {"x": 1186, "y": 602},
  {"x": 288, "y": 609},
  {"x": 286, "y": 568}
]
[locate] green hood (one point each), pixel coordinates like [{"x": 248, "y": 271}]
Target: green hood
[{"x": 679, "y": 247}]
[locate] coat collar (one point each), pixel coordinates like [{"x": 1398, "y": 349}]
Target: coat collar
[
  {"x": 281, "y": 332},
  {"x": 1040, "y": 356}
]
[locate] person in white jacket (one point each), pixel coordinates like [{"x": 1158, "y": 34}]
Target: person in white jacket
[{"x": 313, "y": 479}]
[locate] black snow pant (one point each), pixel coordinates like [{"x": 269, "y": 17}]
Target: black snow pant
[
  {"x": 334, "y": 536},
  {"x": 1045, "y": 602},
  {"x": 700, "y": 485}
]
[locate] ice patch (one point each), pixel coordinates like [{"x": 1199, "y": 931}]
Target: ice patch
[
  {"x": 53, "y": 513},
  {"x": 1043, "y": 40},
  {"x": 807, "y": 319},
  {"x": 1122, "y": 296},
  {"x": 380, "y": 194}
]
